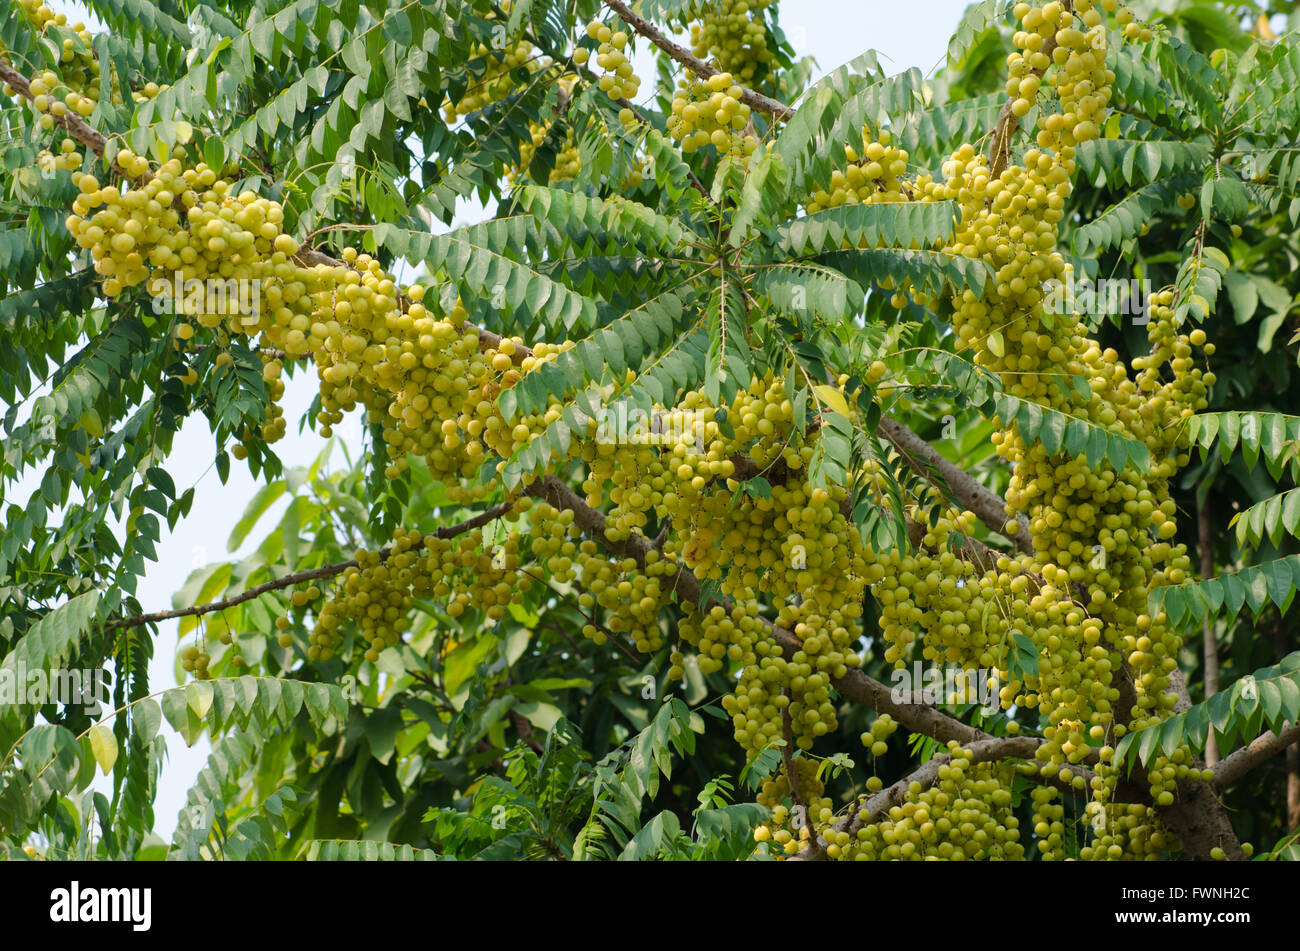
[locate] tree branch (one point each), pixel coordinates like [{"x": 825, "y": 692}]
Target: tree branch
[
  {"x": 814, "y": 846},
  {"x": 988, "y": 506},
  {"x": 1008, "y": 122},
  {"x": 755, "y": 100},
  {"x": 1198, "y": 818},
  {"x": 75, "y": 126},
  {"x": 324, "y": 571},
  {"x": 1231, "y": 768},
  {"x": 854, "y": 685},
  {"x": 983, "y": 751},
  {"x": 866, "y": 810}
]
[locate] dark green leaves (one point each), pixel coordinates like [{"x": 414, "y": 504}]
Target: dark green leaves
[
  {"x": 1134, "y": 161},
  {"x": 832, "y": 456},
  {"x": 1060, "y": 432},
  {"x": 1266, "y": 699},
  {"x": 1272, "y": 518},
  {"x": 1273, "y": 436},
  {"x": 1251, "y": 588},
  {"x": 896, "y": 224},
  {"x": 930, "y": 272}
]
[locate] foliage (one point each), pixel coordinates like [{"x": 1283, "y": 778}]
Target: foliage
[{"x": 746, "y": 397}]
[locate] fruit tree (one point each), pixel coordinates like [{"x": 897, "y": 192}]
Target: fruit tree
[{"x": 876, "y": 467}]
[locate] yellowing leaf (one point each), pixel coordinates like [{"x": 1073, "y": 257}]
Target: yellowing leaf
[
  {"x": 996, "y": 344},
  {"x": 832, "y": 398},
  {"x": 225, "y": 41},
  {"x": 91, "y": 423},
  {"x": 103, "y": 744},
  {"x": 184, "y": 131},
  {"x": 199, "y": 697}
]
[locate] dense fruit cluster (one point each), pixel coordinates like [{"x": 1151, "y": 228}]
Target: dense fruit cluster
[
  {"x": 874, "y": 174},
  {"x": 217, "y": 260},
  {"x": 787, "y": 558},
  {"x": 1101, "y": 536},
  {"x": 616, "y": 78},
  {"x": 52, "y": 98},
  {"x": 78, "y": 88},
  {"x": 710, "y": 112},
  {"x": 966, "y": 815},
  {"x": 495, "y": 81},
  {"x": 733, "y": 34}
]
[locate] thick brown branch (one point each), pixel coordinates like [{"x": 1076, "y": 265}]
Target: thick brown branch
[
  {"x": 755, "y": 100},
  {"x": 75, "y": 126},
  {"x": 865, "y": 810},
  {"x": 1231, "y": 768},
  {"x": 1198, "y": 818},
  {"x": 1003, "y": 747}
]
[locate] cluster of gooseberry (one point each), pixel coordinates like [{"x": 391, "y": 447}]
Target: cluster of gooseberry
[
  {"x": 710, "y": 112},
  {"x": 733, "y": 34}
]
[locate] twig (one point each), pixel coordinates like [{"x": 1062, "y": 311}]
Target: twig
[{"x": 325, "y": 571}]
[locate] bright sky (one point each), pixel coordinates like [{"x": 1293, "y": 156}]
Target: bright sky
[{"x": 832, "y": 31}]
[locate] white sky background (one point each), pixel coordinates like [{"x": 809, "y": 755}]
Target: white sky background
[{"x": 832, "y": 31}]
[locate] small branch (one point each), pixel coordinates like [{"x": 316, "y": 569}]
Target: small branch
[
  {"x": 525, "y": 731},
  {"x": 814, "y": 848},
  {"x": 1008, "y": 122},
  {"x": 878, "y": 805},
  {"x": 325, "y": 571},
  {"x": 1198, "y": 817},
  {"x": 755, "y": 100}
]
